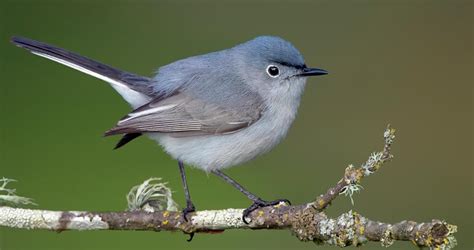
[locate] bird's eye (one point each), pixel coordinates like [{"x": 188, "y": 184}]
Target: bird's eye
[{"x": 273, "y": 71}]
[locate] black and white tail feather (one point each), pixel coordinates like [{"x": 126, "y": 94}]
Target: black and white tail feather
[{"x": 135, "y": 89}]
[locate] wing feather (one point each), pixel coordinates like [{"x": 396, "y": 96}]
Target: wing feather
[{"x": 184, "y": 115}]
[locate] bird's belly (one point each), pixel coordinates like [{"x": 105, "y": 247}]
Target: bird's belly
[{"x": 222, "y": 151}]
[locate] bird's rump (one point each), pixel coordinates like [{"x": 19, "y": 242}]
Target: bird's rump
[{"x": 184, "y": 115}]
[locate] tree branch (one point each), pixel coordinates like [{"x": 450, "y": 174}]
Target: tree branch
[{"x": 308, "y": 222}]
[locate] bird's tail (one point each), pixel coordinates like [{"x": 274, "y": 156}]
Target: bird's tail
[{"x": 135, "y": 89}]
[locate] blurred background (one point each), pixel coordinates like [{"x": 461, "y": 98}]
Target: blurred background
[{"x": 407, "y": 63}]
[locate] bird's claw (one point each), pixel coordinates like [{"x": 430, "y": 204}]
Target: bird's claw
[
  {"x": 259, "y": 203},
  {"x": 189, "y": 209},
  {"x": 191, "y": 236}
]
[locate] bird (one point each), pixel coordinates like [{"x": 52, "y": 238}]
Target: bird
[{"x": 211, "y": 111}]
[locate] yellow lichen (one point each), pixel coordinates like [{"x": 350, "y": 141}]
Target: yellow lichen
[
  {"x": 165, "y": 214},
  {"x": 165, "y": 222},
  {"x": 320, "y": 202},
  {"x": 429, "y": 240},
  {"x": 360, "y": 174}
]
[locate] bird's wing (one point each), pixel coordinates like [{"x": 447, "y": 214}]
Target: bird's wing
[{"x": 184, "y": 115}]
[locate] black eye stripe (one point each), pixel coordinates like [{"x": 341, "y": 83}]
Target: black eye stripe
[{"x": 292, "y": 65}]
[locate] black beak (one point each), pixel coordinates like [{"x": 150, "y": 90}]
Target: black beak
[{"x": 313, "y": 72}]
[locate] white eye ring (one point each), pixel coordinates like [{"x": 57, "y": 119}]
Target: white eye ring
[{"x": 273, "y": 71}]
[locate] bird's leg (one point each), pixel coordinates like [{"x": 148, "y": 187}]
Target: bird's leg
[
  {"x": 257, "y": 202},
  {"x": 189, "y": 204}
]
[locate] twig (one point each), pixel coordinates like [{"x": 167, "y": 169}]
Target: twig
[
  {"x": 308, "y": 222},
  {"x": 352, "y": 176}
]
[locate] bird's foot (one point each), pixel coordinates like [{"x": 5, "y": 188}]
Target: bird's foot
[
  {"x": 259, "y": 203},
  {"x": 189, "y": 209}
]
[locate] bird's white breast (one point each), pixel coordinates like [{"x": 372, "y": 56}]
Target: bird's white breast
[{"x": 222, "y": 151}]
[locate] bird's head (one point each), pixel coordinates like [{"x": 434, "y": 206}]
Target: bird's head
[{"x": 272, "y": 65}]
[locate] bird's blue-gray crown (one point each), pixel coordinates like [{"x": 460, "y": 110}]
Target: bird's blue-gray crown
[{"x": 272, "y": 49}]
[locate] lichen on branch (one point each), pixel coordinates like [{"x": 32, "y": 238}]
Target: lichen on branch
[
  {"x": 151, "y": 195},
  {"x": 8, "y": 196}
]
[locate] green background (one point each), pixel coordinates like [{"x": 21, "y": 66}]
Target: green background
[{"x": 408, "y": 63}]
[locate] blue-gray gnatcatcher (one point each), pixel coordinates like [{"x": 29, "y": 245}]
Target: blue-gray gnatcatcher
[{"x": 211, "y": 111}]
